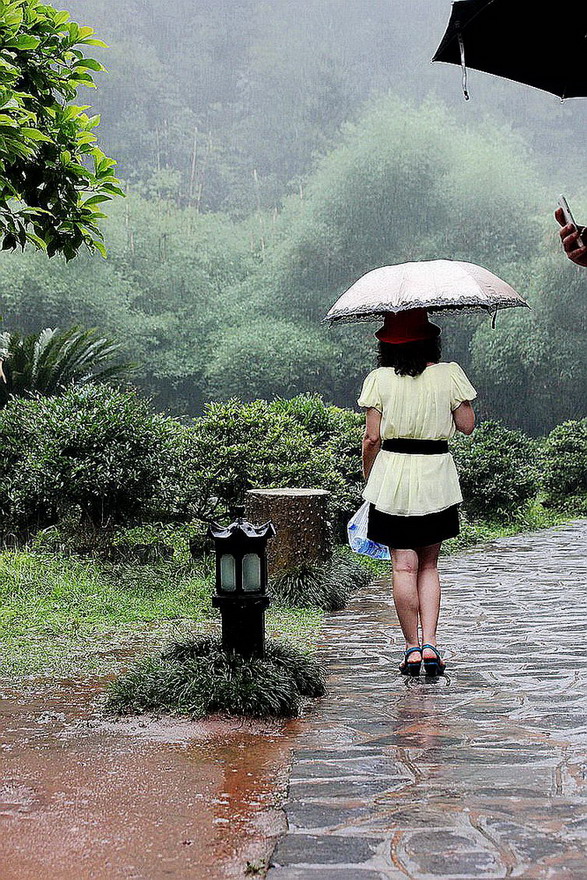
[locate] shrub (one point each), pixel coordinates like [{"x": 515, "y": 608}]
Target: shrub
[
  {"x": 345, "y": 443},
  {"x": 340, "y": 431},
  {"x": 564, "y": 466},
  {"x": 94, "y": 449},
  {"x": 196, "y": 677},
  {"x": 237, "y": 446},
  {"x": 497, "y": 470},
  {"x": 308, "y": 410},
  {"x": 145, "y": 543}
]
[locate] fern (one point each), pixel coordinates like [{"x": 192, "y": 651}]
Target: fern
[{"x": 48, "y": 362}]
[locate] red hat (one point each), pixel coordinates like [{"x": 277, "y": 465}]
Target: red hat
[{"x": 409, "y": 326}]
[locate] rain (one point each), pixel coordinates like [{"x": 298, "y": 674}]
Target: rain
[
  {"x": 273, "y": 154},
  {"x": 204, "y": 668}
]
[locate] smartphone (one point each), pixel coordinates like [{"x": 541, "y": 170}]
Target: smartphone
[{"x": 564, "y": 205}]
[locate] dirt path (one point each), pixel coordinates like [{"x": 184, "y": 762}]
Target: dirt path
[{"x": 139, "y": 800}]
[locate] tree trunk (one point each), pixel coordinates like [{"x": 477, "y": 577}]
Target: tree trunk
[{"x": 300, "y": 517}]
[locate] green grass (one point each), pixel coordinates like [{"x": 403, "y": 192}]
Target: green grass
[
  {"x": 300, "y": 626},
  {"x": 194, "y": 676},
  {"x": 61, "y": 615}
]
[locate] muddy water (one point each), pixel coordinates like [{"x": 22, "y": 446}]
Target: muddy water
[{"x": 141, "y": 799}]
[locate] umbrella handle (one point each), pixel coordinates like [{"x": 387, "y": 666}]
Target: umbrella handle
[{"x": 463, "y": 65}]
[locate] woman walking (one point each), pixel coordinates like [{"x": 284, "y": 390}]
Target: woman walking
[{"x": 414, "y": 405}]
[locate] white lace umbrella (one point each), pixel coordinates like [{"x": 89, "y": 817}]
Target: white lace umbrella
[{"x": 436, "y": 285}]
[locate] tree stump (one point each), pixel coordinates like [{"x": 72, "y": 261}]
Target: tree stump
[{"x": 300, "y": 517}]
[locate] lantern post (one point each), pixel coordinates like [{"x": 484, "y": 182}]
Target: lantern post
[{"x": 241, "y": 582}]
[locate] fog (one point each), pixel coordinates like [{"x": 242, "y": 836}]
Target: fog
[
  {"x": 268, "y": 84},
  {"x": 271, "y": 153}
]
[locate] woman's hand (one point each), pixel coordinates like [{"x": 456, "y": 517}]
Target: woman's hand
[
  {"x": 371, "y": 440},
  {"x": 464, "y": 417}
]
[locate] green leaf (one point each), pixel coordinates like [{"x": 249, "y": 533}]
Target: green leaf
[
  {"x": 114, "y": 190},
  {"x": 90, "y": 63},
  {"x": 35, "y": 135},
  {"x": 78, "y": 75},
  {"x": 9, "y": 242},
  {"x": 75, "y": 166},
  {"x": 92, "y": 121},
  {"x": 95, "y": 200},
  {"x": 74, "y": 31},
  {"x": 86, "y": 137},
  {"x": 72, "y": 111},
  {"x": 36, "y": 239},
  {"x": 12, "y": 16},
  {"x": 20, "y": 149},
  {"x": 85, "y": 79},
  {"x": 22, "y": 42},
  {"x": 100, "y": 43},
  {"x": 105, "y": 164},
  {"x": 99, "y": 246},
  {"x": 60, "y": 18}
]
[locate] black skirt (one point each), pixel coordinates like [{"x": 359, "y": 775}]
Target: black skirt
[{"x": 408, "y": 532}]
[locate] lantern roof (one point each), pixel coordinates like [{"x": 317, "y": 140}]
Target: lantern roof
[{"x": 240, "y": 528}]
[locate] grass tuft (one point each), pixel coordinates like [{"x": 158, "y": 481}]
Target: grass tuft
[
  {"x": 320, "y": 585},
  {"x": 194, "y": 676}
]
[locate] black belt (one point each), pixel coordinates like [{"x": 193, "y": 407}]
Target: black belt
[{"x": 416, "y": 447}]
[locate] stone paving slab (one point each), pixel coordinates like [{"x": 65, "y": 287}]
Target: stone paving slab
[
  {"x": 479, "y": 774},
  {"x": 313, "y": 873}
]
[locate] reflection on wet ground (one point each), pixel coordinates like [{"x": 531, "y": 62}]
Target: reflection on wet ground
[
  {"x": 480, "y": 774},
  {"x": 142, "y": 799}
]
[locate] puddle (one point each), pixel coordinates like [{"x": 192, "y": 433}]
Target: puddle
[{"x": 83, "y": 797}]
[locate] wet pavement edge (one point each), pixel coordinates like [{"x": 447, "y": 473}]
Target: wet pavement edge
[{"x": 479, "y": 774}]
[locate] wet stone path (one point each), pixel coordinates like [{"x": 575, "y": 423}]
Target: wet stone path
[{"x": 479, "y": 774}]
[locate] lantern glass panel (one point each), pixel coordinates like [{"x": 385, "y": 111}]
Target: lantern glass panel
[
  {"x": 251, "y": 573},
  {"x": 227, "y": 572}
]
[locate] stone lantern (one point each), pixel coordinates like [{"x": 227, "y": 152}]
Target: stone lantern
[{"x": 241, "y": 581}]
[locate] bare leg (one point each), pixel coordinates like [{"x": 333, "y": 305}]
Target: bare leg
[
  {"x": 428, "y": 587},
  {"x": 405, "y": 595}
]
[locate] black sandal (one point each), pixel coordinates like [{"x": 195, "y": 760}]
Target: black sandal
[
  {"x": 433, "y": 665},
  {"x": 412, "y": 668}
]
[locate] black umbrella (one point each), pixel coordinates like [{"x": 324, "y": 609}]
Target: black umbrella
[{"x": 542, "y": 44}]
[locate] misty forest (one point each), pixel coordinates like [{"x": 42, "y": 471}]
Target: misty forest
[
  {"x": 271, "y": 153},
  {"x": 191, "y": 547}
]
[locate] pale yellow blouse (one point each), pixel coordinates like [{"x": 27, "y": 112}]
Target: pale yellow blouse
[{"x": 418, "y": 407}]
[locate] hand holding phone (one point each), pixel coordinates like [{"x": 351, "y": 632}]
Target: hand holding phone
[{"x": 564, "y": 206}]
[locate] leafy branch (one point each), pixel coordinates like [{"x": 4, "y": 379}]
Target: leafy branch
[{"x": 53, "y": 176}]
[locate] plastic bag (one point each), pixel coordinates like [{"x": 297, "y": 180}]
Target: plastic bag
[{"x": 357, "y": 535}]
